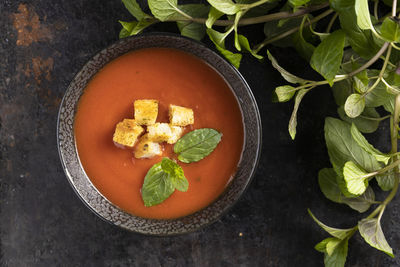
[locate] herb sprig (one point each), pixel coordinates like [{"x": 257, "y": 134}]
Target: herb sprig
[{"x": 357, "y": 55}]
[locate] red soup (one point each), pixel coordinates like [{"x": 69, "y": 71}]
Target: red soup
[{"x": 171, "y": 77}]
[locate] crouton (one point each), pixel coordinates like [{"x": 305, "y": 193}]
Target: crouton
[
  {"x": 180, "y": 116},
  {"x": 176, "y": 134},
  {"x": 146, "y": 111},
  {"x": 127, "y": 132},
  {"x": 147, "y": 148},
  {"x": 159, "y": 132}
]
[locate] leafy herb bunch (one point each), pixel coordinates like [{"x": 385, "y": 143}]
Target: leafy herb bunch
[{"x": 358, "y": 56}]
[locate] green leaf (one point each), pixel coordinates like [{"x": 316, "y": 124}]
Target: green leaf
[
  {"x": 297, "y": 3},
  {"x": 191, "y": 29},
  {"x": 341, "y": 90},
  {"x": 332, "y": 245},
  {"x": 285, "y": 74},
  {"x": 361, "y": 141},
  {"x": 390, "y": 30},
  {"x": 361, "y": 82},
  {"x": 354, "y": 105},
  {"x": 275, "y": 28},
  {"x": 355, "y": 177},
  {"x": 293, "y": 118},
  {"x": 219, "y": 41},
  {"x": 177, "y": 176},
  {"x": 335, "y": 232},
  {"x": 285, "y": 93},
  {"x": 327, "y": 179},
  {"x": 157, "y": 186},
  {"x": 338, "y": 257},
  {"x": 386, "y": 180},
  {"x": 363, "y": 15},
  {"x": 321, "y": 246},
  {"x": 378, "y": 96},
  {"x": 327, "y": 57},
  {"x": 123, "y": 33},
  {"x": 197, "y": 144},
  {"x": 134, "y": 8},
  {"x": 389, "y": 105},
  {"x": 134, "y": 27},
  {"x": 366, "y": 123},
  {"x": 371, "y": 231},
  {"x": 167, "y": 10},
  {"x": 213, "y": 15},
  {"x": 244, "y": 43},
  {"x": 342, "y": 147},
  {"x": 392, "y": 82},
  {"x": 226, "y": 6}
]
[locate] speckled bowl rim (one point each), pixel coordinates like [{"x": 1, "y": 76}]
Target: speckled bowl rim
[{"x": 109, "y": 212}]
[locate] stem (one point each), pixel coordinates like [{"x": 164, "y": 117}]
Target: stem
[
  {"x": 371, "y": 61},
  {"x": 374, "y": 119},
  {"x": 289, "y": 32},
  {"x": 261, "y": 19},
  {"x": 333, "y": 19},
  {"x": 376, "y": 9}
]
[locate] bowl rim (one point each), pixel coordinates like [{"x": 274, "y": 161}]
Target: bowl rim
[{"x": 257, "y": 118}]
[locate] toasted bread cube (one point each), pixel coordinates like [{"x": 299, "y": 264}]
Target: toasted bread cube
[
  {"x": 180, "y": 116},
  {"x": 146, "y": 111},
  {"x": 176, "y": 134},
  {"x": 147, "y": 148},
  {"x": 127, "y": 132},
  {"x": 159, "y": 132}
]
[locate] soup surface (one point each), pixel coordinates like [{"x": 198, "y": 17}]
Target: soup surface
[{"x": 171, "y": 77}]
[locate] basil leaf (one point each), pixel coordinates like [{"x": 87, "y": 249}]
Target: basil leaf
[
  {"x": 321, "y": 246},
  {"x": 197, "y": 144},
  {"x": 327, "y": 57},
  {"x": 284, "y": 93},
  {"x": 341, "y": 90},
  {"x": 379, "y": 95},
  {"x": 293, "y": 118},
  {"x": 133, "y": 7},
  {"x": 327, "y": 180},
  {"x": 389, "y": 105},
  {"x": 335, "y": 232},
  {"x": 355, "y": 177},
  {"x": 365, "y": 123},
  {"x": 371, "y": 231},
  {"x": 157, "y": 186},
  {"x": 390, "y": 30},
  {"x": 285, "y": 74},
  {"x": 226, "y": 6},
  {"x": 354, "y": 105},
  {"x": 135, "y": 27},
  {"x": 332, "y": 245},
  {"x": 338, "y": 256},
  {"x": 363, "y": 16},
  {"x": 361, "y": 141},
  {"x": 342, "y": 147},
  {"x": 167, "y": 10},
  {"x": 161, "y": 181},
  {"x": 213, "y": 15},
  {"x": 386, "y": 180}
]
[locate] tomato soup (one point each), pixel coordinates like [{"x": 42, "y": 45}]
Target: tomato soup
[{"x": 171, "y": 77}]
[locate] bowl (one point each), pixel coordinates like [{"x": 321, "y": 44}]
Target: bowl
[{"x": 96, "y": 202}]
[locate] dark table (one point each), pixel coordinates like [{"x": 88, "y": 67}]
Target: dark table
[{"x": 43, "y": 223}]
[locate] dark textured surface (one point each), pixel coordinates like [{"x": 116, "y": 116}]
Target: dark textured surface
[{"x": 42, "y": 221}]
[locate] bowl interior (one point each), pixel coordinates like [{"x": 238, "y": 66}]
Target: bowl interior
[{"x": 95, "y": 200}]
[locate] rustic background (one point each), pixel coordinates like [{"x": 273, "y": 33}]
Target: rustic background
[{"x": 43, "y": 43}]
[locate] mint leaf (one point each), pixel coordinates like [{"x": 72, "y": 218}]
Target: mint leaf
[
  {"x": 390, "y": 30},
  {"x": 161, "y": 181},
  {"x": 371, "y": 231},
  {"x": 219, "y": 40},
  {"x": 157, "y": 186},
  {"x": 327, "y": 57},
  {"x": 293, "y": 118},
  {"x": 284, "y": 93},
  {"x": 366, "y": 123},
  {"x": 354, "y": 105},
  {"x": 327, "y": 179},
  {"x": 335, "y": 232},
  {"x": 363, "y": 16},
  {"x": 285, "y": 74},
  {"x": 361, "y": 141},
  {"x": 213, "y": 15},
  {"x": 342, "y": 147},
  {"x": 356, "y": 178},
  {"x": 244, "y": 43},
  {"x": 338, "y": 256},
  {"x": 226, "y": 6},
  {"x": 133, "y": 7},
  {"x": 197, "y": 144}
]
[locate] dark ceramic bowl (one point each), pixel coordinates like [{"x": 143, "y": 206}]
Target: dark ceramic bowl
[{"x": 107, "y": 210}]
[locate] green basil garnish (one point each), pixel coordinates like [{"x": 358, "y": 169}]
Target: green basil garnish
[
  {"x": 161, "y": 181},
  {"x": 197, "y": 144}
]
